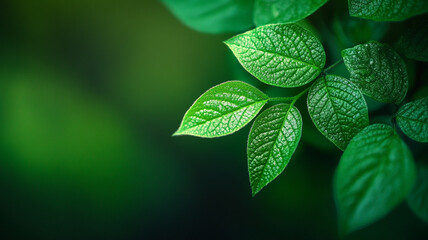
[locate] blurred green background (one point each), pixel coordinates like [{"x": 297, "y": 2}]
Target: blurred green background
[{"x": 90, "y": 93}]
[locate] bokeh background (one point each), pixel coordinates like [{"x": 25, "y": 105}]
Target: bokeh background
[{"x": 90, "y": 93}]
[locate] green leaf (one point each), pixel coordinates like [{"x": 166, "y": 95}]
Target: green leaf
[
  {"x": 414, "y": 41},
  {"x": 213, "y": 16},
  {"x": 387, "y": 10},
  {"x": 272, "y": 141},
  {"x": 418, "y": 197},
  {"x": 413, "y": 119},
  {"x": 222, "y": 110},
  {"x": 284, "y": 11},
  {"x": 283, "y": 55},
  {"x": 338, "y": 109},
  {"x": 378, "y": 71},
  {"x": 375, "y": 173}
]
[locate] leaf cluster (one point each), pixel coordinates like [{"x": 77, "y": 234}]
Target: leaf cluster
[{"x": 376, "y": 171}]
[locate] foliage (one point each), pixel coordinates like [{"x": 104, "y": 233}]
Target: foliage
[{"x": 376, "y": 171}]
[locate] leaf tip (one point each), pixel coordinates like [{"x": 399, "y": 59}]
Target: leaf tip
[
  {"x": 254, "y": 193},
  {"x": 177, "y": 133},
  {"x": 227, "y": 43},
  {"x": 255, "y": 189}
]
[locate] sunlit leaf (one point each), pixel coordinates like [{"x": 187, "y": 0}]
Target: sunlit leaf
[
  {"x": 284, "y": 55},
  {"x": 222, "y": 110},
  {"x": 272, "y": 141}
]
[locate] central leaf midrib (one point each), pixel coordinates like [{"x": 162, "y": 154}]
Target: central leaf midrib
[
  {"x": 333, "y": 106},
  {"x": 277, "y": 54},
  {"x": 274, "y": 143},
  {"x": 226, "y": 114},
  {"x": 412, "y": 119}
]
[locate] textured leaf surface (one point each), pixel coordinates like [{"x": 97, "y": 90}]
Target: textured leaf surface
[
  {"x": 284, "y": 11},
  {"x": 387, "y": 10},
  {"x": 414, "y": 41},
  {"x": 378, "y": 71},
  {"x": 418, "y": 197},
  {"x": 272, "y": 141},
  {"x": 222, "y": 110},
  {"x": 213, "y": 16},
  {"x": 375, "y": 173},
  {"x": 284, "y": 55},
  {"x": 413, "y": 119},
  {"x": 338, "y": 109}
]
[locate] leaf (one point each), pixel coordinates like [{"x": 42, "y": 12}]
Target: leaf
[
  {"x": 378, "y": 71},
  {"x": 272, "y": 141},
  {"x": 284, "y": 11},
  {"x": 375, "y": 173},
  {"x": 222, "y": 110},
  {"x": 413, "y": 119},
  {"x": 418, "y": 197},
  {"x": 387, "y": 10},
  {"x": 213, "y": 16},
  {"x": 338, "y": 109},
  {"x": 283, "y": 55},
  {"x": 414, "y": 41}
]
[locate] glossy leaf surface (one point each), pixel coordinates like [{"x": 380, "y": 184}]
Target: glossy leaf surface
[
  {"x": 222, "y": 110},
  {"x": 283, "y": 55},
  {"x": 272, "y": 141},
  {"x": 338, "y": 109},
  {"x": 413, "y": 119},
  {"x": 378, "y": 71}
]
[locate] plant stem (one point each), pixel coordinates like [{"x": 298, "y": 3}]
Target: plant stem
[
  {"x": 288, "y": 99},
  {"x": 332, "y": 65},
  {"x": 299, "y": 95},
  {"x": 281, "y": 99}
]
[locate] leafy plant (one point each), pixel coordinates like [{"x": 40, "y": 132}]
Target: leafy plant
[{"x": 376, "y": 171}]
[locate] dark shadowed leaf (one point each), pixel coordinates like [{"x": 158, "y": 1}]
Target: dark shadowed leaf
[
  {"x": 378, "y": 71},
  {"x": 413, "y": 119},
  {"x": 284, "y": 11},
  {"x": 375, "y": 173},
  {"x": 387, "y": 10},
  {"x": 213, "y": 16}
]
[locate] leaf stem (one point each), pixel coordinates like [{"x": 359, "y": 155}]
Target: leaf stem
[
  {"x": 333, "y": 65},
  {"x": 281, "y": 99},
  {"x": 301, "y": 94},
  {"x": 289, "y": 99}
]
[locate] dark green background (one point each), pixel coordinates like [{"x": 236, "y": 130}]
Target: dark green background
[{"x": 90, "y": 93}]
